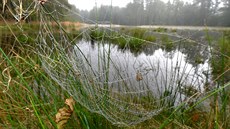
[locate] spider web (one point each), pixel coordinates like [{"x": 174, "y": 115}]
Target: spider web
[{"x": 123, "y": 87}]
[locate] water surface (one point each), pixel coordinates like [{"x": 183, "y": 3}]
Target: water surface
[{"x": 152, "y": 69}]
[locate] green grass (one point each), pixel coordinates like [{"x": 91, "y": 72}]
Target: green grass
[
  {"x": 25, "y": 105},
  {"x": 160, "y": 29},
  {"x": 29, "y": 98},
  {"x": 221, "y": 61},
  {"x": 133, "y": 39},
  {"x": 150, "y": 38},
  {"x": 167, "y": 43},
  {"x": 135, "y": 44}
]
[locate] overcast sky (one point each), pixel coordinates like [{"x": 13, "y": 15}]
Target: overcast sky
[{"x": 89, "y": 4}]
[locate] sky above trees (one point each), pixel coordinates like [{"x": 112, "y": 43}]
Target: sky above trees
[{"x": 89, "y": 4}]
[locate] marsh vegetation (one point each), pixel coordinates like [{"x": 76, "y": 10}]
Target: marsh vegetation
[{"x": 120, "y": 77}]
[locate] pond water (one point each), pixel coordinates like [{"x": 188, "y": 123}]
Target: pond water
[
  {"x": 180, "y": 71},
  {"x": 151, "y": 69}
]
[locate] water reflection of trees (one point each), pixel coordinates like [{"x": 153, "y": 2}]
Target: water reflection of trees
[{"x": 195, "y": 54}]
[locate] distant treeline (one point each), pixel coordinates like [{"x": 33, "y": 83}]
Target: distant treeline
[
  {"x": 138, "y": 12},
  {"x": 157, "y": 12}
]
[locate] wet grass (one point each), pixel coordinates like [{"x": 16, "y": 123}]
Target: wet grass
[
  {"x": 167, "y": 43},
  {"x": 221, "y": 60},
  {"x": 28, "y": 98},
  {"x": 133, "y": 39},
  {"x": 160, "y": 29}
]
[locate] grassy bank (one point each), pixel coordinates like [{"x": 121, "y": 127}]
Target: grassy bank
[{"x": 30, "y": 98}]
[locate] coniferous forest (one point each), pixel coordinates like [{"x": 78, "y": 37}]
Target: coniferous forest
[{"x": 157, "y": 12}]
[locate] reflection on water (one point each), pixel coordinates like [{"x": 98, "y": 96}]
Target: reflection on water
[
  {"x": 185, "y": 68},
  {"x": 154, "y": 68}
]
